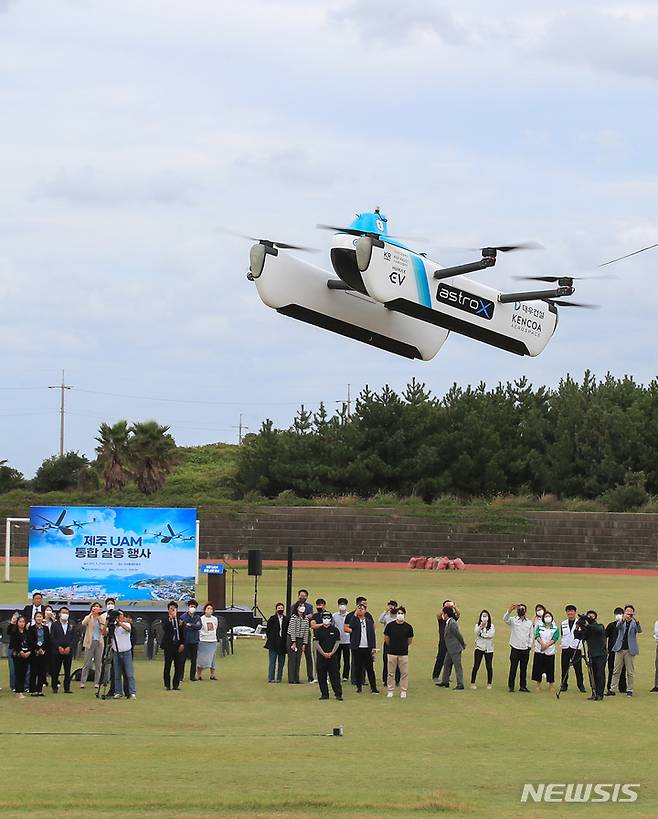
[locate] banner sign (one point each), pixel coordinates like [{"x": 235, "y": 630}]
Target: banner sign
[
  {"x": 212, "y": 568},
  {"x": 131, "y": 554}
]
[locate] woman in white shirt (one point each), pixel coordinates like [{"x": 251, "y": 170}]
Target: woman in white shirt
[
  {"x": 546, "y": 636},
  {"x": 207, "y": 643},
  {"x": 484, "y": 637}
]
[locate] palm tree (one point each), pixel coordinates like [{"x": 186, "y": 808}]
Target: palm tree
[
  {"x": 152, "y": 455},
  {"x": 113, "y": 456}
]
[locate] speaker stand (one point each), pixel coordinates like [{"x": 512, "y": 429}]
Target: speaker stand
[{"x": 255, "y": 608}]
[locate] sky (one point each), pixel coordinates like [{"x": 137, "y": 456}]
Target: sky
[{"x": 133, "y": 132}]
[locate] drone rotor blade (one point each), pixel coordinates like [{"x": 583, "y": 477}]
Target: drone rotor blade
[
  {"x": 282, "y": 245},
  {"x": 582, "y": 305},
  {"x": 628, "y": 255},
  {"x": 335, "y": 229},
  {"x": 555, "y": 279},
  {"x": 171, "y": 530},
  {"x": 60, "y": 518},
  {"x": 509, "y": 248}
]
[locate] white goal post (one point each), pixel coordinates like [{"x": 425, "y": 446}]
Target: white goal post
[{"x": 8, "y": 544}]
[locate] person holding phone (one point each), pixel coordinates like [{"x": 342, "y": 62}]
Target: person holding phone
[{"x": 485, "y": 632}]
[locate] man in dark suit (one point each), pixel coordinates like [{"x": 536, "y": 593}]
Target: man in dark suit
[
  {"x": 361, "y": 628},
  {"x": 62, "y": 641},
  {"x": 276, "y": 632},
  {"x": 30, "y": 610},
  {"x": 173, "y": 645}
]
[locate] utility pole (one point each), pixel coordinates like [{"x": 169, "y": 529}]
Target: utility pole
[
  {"x": 63, "y": 386},
  {"x": 347, "y": 403},
  {"x": 240, "y": 427}
]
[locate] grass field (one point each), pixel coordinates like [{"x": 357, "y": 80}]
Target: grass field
[{"x": 240, "y": 747}]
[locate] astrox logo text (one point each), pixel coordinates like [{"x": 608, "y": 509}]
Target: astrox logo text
[{"x": 475, "y": 305}]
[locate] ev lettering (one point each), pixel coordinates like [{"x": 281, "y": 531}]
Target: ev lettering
[
  {"x": 462, "y": 300},
  {"x": 397, "y": 278}
]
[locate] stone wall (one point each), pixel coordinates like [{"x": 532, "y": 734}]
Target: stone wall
[{"x": 338, "y": 533}]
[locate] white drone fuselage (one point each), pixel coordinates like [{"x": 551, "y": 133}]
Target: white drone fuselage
[
  {"x": 299, "y": 290},
  {"x": 405, "y": 283}
]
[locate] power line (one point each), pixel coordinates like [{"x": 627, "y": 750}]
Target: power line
[{"x": 211, "y": 403}]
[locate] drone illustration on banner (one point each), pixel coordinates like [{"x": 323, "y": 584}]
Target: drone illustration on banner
[
  {"x": 390, "y": 296},
  {"x": 69, "y": 529},
  {"x": 163, "y": 537}
]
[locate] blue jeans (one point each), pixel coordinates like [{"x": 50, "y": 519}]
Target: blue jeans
[
  {"x": 123, "y": 662},
  {"x": 275, "y": 658}
]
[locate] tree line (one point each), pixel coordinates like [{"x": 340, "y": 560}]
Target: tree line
[
  {"x": 593, "y": 439},
  {"x": 143, "y": 453}
]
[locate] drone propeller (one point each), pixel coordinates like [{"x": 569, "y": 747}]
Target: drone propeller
[
  {"x": 354, "y": 232},
  {"x": 582, "y": 305},
  {"x": 508, "y": 248},
  {"x": 282, "y": 245},
  {"x": 628, "y": 255},
  {"x": 554, "y": 279}
]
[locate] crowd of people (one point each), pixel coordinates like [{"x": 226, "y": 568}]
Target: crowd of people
[
  {"x": 342, "y": 645},
  {"x": 335, "y": 647},
  {"x": 42, "y": 645}
]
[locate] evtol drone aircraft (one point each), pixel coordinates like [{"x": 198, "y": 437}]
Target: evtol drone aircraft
[{"x": 395, "y": 298}]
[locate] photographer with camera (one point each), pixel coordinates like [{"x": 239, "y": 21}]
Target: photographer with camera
[
  {"x": 520, "y": 641},
  {"x": 117, "y": 629},
  {"x": 593, "y": 635},
  {"x": 571, "y": 651},
  {"x": 626, "y": 650}
]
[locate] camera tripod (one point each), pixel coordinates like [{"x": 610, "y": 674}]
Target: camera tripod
[
  {"x": 580, "y": 651},
  {"x": 106, "y": 670}
]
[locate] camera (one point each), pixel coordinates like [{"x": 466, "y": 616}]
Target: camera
[
  {"x": 111, "y": 618},
  {"x": 581, "y": 625}
]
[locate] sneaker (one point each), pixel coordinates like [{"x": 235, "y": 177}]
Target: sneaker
[
  {"x": 323, "y": 697},
  {"x": 375, "y": 691},
  {"x": 271, "y": 681},
  {"x": 611, "y": 693},
  {"x": 474, "y": 687},
  {"x": 133, "y": 696},
  {"x": 389, "y": 695},
  {"x": 403, "y": 695},
  {"x": 21, "y": 696},
  {"x": 654, "y": 690},
  {"x": 82, "y": 685},
  {"x": 489, "y": 686},
  {"x": 629, "y": 693},
  {"x": 310, "y": 682},
  {"x": 118, "y": 696},
  {"x": 458, "y": 688},
  {"x": 525, "y": 690},
  {"x": 340, "y": 699}
]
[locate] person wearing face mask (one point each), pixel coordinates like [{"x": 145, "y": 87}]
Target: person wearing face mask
[
  {"x": 484, "y": 637},
  {"x": 455, "y": 645},
  {"x": 344, "y": 649},
  {"x": 92, "y": 643},
  {"x": 571, "y": 655},
  {"x": 540, "y": 608},
  {"x": 611, "y": 636},
  {"x": 19, "y": 645},
  {"x": 61, "y": 645},
  {"x": 398, "y": 636},
  {"x": 302, "y": 600},
  {"x": 327, "y": 641},
  {"x": 276, "y": 632},
  {"x": 39, "y": 642},
  {"x": 207, "y": 643},
  {"x": 192, "y": 626},
  {"x": 298, "y": 634},
  {"x": 520, "y": 641},
  {"x": 316, "y": 624},
  {"x": 441, "y": 649},
  {"x": 543, "y": 664},
  {"x": 386, "y": 617},
  {"x": 361, "y": 628},
  {"x": 358, "y": 670}
]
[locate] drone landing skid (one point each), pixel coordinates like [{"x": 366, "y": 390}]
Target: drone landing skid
[
  {"x": 418, "y": 311},
  {"x": 297, "y": 289}
]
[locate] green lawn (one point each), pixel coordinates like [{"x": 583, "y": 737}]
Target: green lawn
[{"x": 241, "y": 747}]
